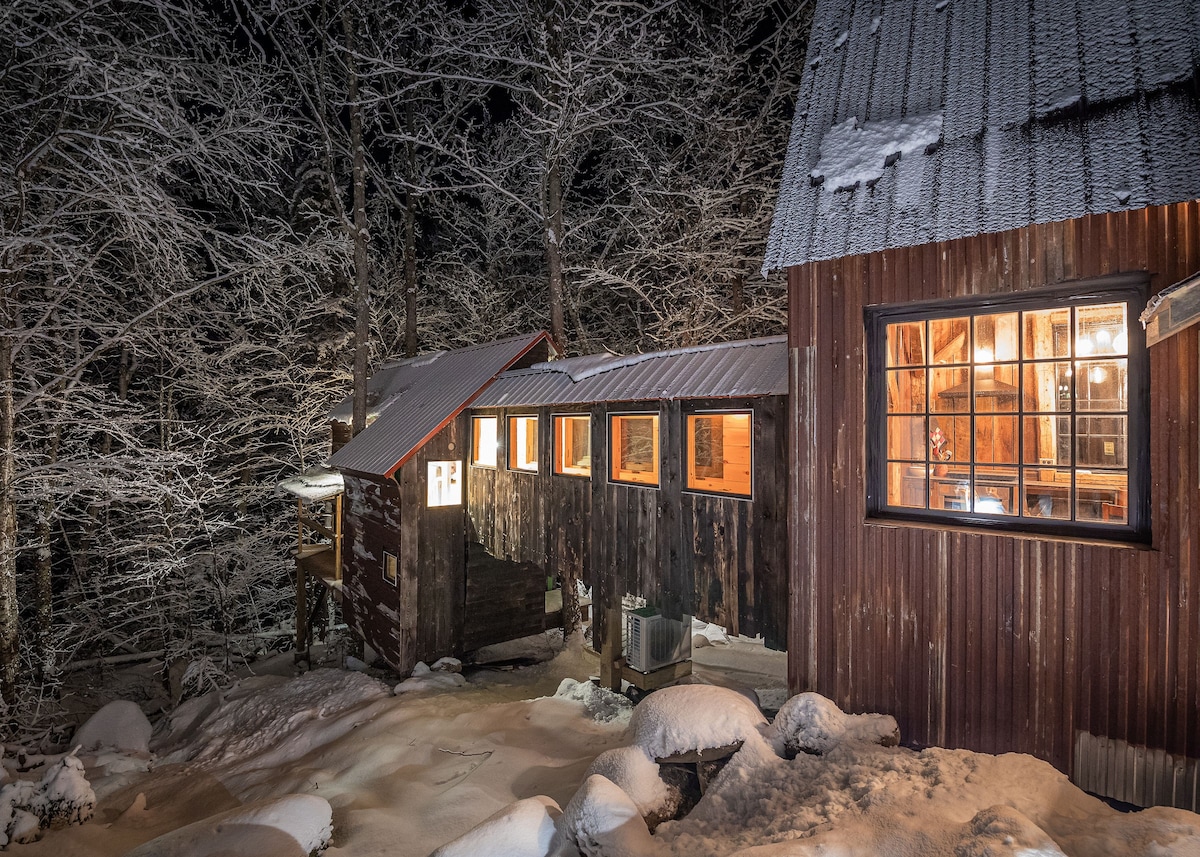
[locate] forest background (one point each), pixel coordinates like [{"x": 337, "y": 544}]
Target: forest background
[{"x": 215, "y": 216}]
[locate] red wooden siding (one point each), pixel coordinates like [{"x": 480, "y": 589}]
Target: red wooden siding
[{"x": 980, "y": 640}]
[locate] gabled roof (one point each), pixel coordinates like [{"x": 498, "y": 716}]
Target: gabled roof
[
  {"x": 926, "y": 120},
  {"x": 751, "y": 367},
  {"x": 416, "y": 398}
]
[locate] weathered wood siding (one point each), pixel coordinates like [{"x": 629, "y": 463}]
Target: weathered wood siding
[
  {"x": 421, "y": 617},
  {"x": 371, "y": 526},
  {"x": 721, "y": 558},
  {"x": 979, "y": 640}
]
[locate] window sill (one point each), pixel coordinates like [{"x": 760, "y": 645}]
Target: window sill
[{"x": 1082, "y": 540}]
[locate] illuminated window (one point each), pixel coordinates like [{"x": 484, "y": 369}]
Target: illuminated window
[
  {"x": 1018, "y": 413},
  {"x": 523, "y": 443},
  {"x": 444, "y": 484},
  {"x": 484, "y": 441},
  {"x": 633, "y": 444},
  {"x": 718, "y": 453},
  {"x": 573, "y": 445},
  {"x": 389, "y": 567}
]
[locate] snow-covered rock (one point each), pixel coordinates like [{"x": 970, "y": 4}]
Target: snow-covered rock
[
  {"x": 449, "y": 665},
  {"x": 604, "y": 705},
  {"x": 120, "y": 725},
  {"x": 63, "y": 796},
  {"x": 688, "y": 718},
  {"x": 291, "y": 826},
  {"x": 526, "y": 828},
  {"x": 428, "y": 680},
  {"x": 810, "y": 723},
  {"x": 1002, "y": 830},
  {"x": 602, "y": 821},
  {"x": 637, "y": 775}
]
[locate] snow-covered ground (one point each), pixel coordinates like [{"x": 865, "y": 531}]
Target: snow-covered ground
[{"x": 265, "y": 770}]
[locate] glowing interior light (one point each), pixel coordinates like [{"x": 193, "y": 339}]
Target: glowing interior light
[
  {"x": 1084, "y": 346},
  {"x": 984, "y": 355},
  {"x": 1121, "y": 343},
  {"x": 1098, "y": 375},
  {"x": 1103, "y": 338}
]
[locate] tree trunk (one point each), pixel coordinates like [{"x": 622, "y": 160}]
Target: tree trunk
[
  {"x": 553, "y": 233},
  {"x": 362, "y": 294},
  {"x": 9, "y": 630},
  {"x": 410, "y": 246}
]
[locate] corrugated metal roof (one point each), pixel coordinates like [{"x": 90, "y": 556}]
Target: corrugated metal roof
[
  {"x": 1006, "y": 113},
  {"x": 417, "y": 397},
  {"x": 752, "y": 367}
]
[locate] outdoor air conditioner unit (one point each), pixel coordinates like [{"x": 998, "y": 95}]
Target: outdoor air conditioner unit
[{"x": 653, "y": 641}]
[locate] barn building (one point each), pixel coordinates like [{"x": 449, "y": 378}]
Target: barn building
[{"x": 993, "y": 484}]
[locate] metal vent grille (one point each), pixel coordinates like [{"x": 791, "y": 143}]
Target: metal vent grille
[{"x": 1136, "y": 775}]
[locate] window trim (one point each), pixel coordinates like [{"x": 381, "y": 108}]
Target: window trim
[
  {"x": 508, "y": 444},
  {"x": 554, "y": 448},
  {"x": 611, "y": 463},
  {"x": 1130, "y": 288},
  {"x": 392, "y": 580},
  {"x": 473, "y": 461},
  {"x": 708, "y": 492}
]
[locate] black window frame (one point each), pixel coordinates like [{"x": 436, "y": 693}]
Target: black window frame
[
  {"x": 687, "y": 487},
  {"x": 1130, "y": 288}
]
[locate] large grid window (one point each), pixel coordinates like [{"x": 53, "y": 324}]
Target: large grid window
[
  {"x": 573, "y": 445},
  {"x": 633, "y": 448},
  {"x": 719, "y": 453},
  {"x": 1028, "y": 414}
]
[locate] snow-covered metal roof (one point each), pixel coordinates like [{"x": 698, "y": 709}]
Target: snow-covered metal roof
[
  {"x": 751, "y": 367},
  {"x": 926, "y": 120},
  {"x": 416, "y": 398},
  {"x": 314, "y": 484}
]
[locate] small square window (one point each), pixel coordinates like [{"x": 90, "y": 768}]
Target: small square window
[
  {"x": 523, "y": 443},
  {"x": 573, "y": 445},
  {"x": 485, "y": 441},
  {"x": 633, "y": 447},
  {"x": 444, "y": 484},
  {"x": 719, "y": 453},
  {"x": 389, "y": 567}
]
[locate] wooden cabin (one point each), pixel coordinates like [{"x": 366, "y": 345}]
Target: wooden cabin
[
  {"x": 655, "y": 475},
  {"x": 488, "y": 475},
  {"x": 992, "y": 477}
]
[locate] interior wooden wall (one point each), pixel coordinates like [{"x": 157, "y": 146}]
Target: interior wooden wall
[{"x": 980, "y": 640}]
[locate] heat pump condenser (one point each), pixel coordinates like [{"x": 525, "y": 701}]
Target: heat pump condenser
[{"x": 653, "y": 641}]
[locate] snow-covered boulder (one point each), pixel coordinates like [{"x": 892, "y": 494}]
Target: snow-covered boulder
[
  {"x": 637, "y": 775},
  {"x": 526, "y": 828},
  {"x": 1002, "y": 830},
  {"x": 120, "y": 725},
  {"x": 423, "y": 677},
  {"x": 63, "y": 796},
  {"x": 602, "y": 821},
  {"x": 602, "y": 704},
  {"x": 686, "y": 719},
  {"x": 810, "y": 723},
  {"x": 291, "y": 826}
]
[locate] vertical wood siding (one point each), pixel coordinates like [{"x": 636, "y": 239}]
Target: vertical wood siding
[
  {"x": 420, "y": 618},
  {"x": 989, "y": 641},
  {"x": 721, "y": 558}
]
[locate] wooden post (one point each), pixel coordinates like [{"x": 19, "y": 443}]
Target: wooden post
[
  {"x": 301, "y": 614},
  {"x": 301, "y": 606},
  {"x": 337, "y": 537},
  {"x": 612, "y": 656}
]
